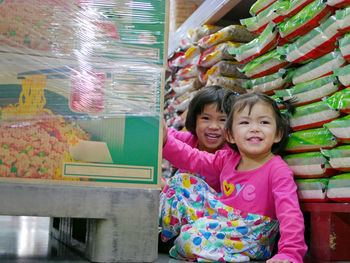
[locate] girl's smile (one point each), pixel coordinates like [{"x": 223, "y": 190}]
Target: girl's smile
[
  {"x": 210, "y": 128},
  {"x": 254, "y": 132}
]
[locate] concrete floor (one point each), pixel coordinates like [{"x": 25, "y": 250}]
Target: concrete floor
[{"x": 25, "y": 239}]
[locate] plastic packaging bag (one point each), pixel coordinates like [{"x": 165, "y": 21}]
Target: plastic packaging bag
[
  {"x": 266, "y": 64},
  {"x": 268, "y": 84},
  {"x": 320, "y": 67},
  {"x": 344, "y": 46},
  {"x": 234, "y": 33},
  {"x": 339, "y": 188},
  {"x": 259, "y": 6},
  {"x": 234, "y": 84},
  {"x": 224, "y": 68},
  {"x": 338, "y": 3},
  {"x": 340, "y": 128},
  {"x": 190, "y": 71},
  {"x": 313, "y": 115},
  {"x": 290, "y": 8},
  {"x": 257, "y": 24},
  {"x": 311, "y": 140},
  {"x": 343, "y": 17},
  {"x": 309, "y": 165},
  {"x": 213, "y": 55},
  {"x": 187, "y": 85},
  {"x": 339, "y": 157},
  {"x": 202, "y": 31},
  {"x": 180, "y": 104},
  {"x": 311, "y": 91},
  {"x": 257, "y": 47},
  {"x": 191, "y": 56},
  {"x": 318, "y": 42},
  {"x": 312, "y": 190},
  {"x": 304, "y": 21},
  {"x": 340, "y": 101},
  {"x": 343, "y": 74}
]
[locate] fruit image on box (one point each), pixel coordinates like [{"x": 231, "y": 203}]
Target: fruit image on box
[{"x": 80, "y": 91}]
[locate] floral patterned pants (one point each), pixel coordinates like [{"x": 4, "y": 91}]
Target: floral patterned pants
[{"x": 208, "y": 230}]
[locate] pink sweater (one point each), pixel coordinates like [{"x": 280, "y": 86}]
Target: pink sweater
[
  {"x": 269, "y": 190},
  {"x": 191, "y": 140}
]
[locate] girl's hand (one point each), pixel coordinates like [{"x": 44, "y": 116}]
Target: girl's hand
[
  {"x": 165, "y": 132},
  {"x": 278, "y": 261}
]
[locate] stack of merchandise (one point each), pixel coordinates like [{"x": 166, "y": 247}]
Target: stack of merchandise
[
  {"x": 203, "y": 59},
  {"x": 302, "y": 54}
]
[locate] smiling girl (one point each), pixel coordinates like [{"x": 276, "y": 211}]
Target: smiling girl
[{"x": 258, "y": 197}]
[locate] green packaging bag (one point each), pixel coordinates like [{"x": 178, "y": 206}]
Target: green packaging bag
[
  {"x": 311, "y": 140},
  {"x": 308, "y": 165},
  {"x": 339, "y": 188}
]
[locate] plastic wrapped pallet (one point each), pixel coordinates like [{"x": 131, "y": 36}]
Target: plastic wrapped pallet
[
  {"x": 312, "y": 190},
  {"x": 82, "y": 80},
  {"x": 311, "y": 140},
  {"x": 312, "y": 91},
  {"x": 309, "y": 165},
  {"x": 339, "y": 188}
]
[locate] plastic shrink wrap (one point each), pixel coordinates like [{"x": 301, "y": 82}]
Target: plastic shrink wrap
[{"x": 80, "y": 85}]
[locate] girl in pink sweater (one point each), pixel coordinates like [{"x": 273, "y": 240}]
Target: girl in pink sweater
[
  {"x": 205, "y": 123},
  {"x": 258, "y": 197}
]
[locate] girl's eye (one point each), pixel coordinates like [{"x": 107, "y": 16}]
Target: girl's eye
[
  {"x": 223, "y": 119},
  {"x": 265, "y": 122},
  {"x": 244, "y": 122},
  {"x": 205, "y": 118}
]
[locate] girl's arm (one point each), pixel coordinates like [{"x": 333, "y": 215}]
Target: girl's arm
[
  {"x": 191, "y": 159},
  {"x": 291, "y": 245}
]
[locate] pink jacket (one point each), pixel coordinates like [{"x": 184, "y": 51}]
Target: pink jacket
[
  {"x": 191, "y": 140},
  {"x": 269, "y": 190}
]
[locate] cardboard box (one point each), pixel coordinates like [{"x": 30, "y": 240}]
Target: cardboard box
[{"x": 81, "y": 91}]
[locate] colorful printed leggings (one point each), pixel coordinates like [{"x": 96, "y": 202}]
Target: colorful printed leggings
[{"x": 209, "y": 230}]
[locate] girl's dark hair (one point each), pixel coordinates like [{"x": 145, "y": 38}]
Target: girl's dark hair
[
  {"x": 207, "y": 95},
  {"x": 233, "y": 103}
]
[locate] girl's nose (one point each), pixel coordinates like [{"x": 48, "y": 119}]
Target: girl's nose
[
  {"x": 214, "y": 125},
  {"x": 254, "y": 127}
]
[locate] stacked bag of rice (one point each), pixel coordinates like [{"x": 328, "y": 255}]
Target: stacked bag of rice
[
  {"x": 203, "y": 60},
  {"x": 303, "y": 53}
]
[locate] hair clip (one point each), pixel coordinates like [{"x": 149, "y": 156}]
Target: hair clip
[{"x": 236, "y": 93}]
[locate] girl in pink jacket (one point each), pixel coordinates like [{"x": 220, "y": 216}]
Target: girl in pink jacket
[
  {"x": 205, "y": 124},
  {"x": 258, "y": 195}
]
